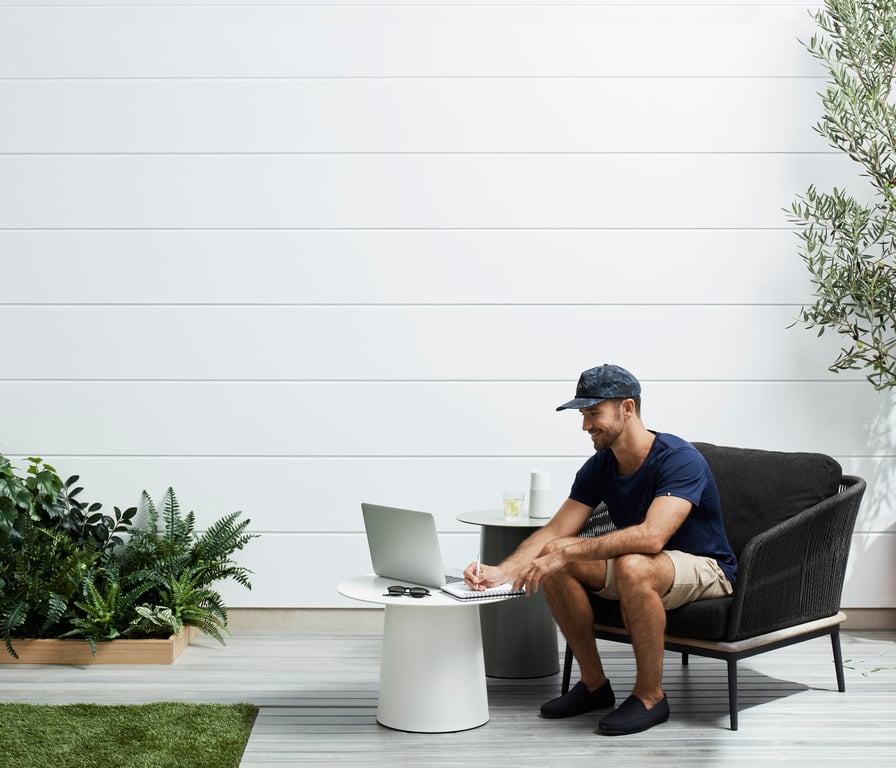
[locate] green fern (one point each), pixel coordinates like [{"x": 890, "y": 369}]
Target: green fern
[
  {"x": 176, "y": 529},
  {"x": 213, "y": 549},
  {"x": 46, "y": 573},
  {"x": 195, "y": 604},
  {"x": 56, "y": 606},
  {"x": 11, "y": 621},
  {"x": 100, "y": 609},
  {"x": 174, "y": 567}
]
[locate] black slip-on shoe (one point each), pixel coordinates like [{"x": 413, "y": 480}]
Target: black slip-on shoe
[
  {"x": 633, "y": 717},
  {"x": 579, "y": 700}
]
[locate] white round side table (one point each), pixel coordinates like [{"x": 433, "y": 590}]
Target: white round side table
[{"x": 432, "y": 673}]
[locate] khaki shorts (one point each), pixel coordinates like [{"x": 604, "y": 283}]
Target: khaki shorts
[{"x": 696, "y": 578}]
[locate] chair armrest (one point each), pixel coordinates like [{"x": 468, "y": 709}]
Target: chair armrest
[{"x": 794, "y": 572}]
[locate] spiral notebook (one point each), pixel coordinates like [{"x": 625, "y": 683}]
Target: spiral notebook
[{"x": 463, "y": 592}]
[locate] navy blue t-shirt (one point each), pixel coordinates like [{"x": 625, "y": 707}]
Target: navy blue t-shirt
[{"x": 672, "y": 468}]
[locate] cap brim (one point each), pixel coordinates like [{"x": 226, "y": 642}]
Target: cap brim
[{"x": 581, "y": 402}]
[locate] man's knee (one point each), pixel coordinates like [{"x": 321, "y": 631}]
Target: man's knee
[{"x": 636, "y": 571}]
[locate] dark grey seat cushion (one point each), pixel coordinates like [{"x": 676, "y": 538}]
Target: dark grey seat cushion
[{"x": 703, "y": 620}]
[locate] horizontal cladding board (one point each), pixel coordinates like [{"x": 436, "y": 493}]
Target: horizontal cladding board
[
  {"x": 389, "y": 40},
  {"x": 369, "y": 418},
  {"x": 412, "y": 115},
  {"x": 323, "y": 495},
  {"x": 418, "y": 191},
  {"x": 455, "y": 343},
  {"x": 292, "y": 571},
  {"x": 303, "y": 571},
  {"x": 300, "y": 495},
  {"x": 357, "y": 3},
  {"x": 410, "y": 266}
]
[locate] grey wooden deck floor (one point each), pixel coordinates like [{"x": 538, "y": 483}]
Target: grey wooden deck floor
[{"x": 317, "y": 693}]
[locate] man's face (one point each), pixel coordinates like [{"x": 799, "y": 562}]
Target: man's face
[{"x": 604, "y": 422}]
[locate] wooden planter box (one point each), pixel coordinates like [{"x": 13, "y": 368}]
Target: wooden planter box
[{"x": 163, "y": 651}]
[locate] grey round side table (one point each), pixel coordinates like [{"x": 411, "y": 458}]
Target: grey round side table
[{"x": 519, "y": 637}]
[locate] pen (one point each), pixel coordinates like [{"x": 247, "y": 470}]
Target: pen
[{"x": 478, "y": 565}]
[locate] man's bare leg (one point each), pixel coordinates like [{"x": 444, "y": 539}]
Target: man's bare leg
[
  {"x": 567, "y": 597},
  {"x": 572, "y": 611},
  {"x": 640, "y": 581}
]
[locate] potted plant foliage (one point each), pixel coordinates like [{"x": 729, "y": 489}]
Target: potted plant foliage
[
  {"x": 69, "y": 570},
  {"x": 849, "y": 245}
]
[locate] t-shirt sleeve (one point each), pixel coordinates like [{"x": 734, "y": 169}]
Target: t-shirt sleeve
[
  {"x": 585, "y": 488},
  {"x": 682, "y": 475}
]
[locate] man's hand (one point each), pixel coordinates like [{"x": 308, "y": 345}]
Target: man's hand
[
  {"x": 479, "y": 577},
  {"x": 539, "y": 569}
]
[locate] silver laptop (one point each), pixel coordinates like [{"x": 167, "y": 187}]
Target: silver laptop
[{"x": 404, "y": 546}]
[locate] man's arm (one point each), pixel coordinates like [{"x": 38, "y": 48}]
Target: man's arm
[
  {"x": 568, "y": 521},
  {"x": 664, "y": 516}
]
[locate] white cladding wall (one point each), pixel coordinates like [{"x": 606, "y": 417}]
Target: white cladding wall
[{"x": 289, "y": 257}]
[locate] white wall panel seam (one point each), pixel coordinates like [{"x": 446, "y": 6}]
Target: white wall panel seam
[
  {"x": 437, "y": 153},
  {"x": 435, "y": 228},
  {"x": 390, "y": 78},
  {"x": 390, "y": 304}
]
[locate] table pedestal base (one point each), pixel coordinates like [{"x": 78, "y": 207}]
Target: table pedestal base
[
  {"x": 432, "y": 675},
  {"x": 519, "y": 637}
]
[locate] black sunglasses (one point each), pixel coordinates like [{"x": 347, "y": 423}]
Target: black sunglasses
[{"x": 397, "y": 591}]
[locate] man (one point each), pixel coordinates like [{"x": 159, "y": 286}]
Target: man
[{"x": 670, "y": 548}]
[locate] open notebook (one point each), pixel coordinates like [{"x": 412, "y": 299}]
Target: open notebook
[{"x": 463, "y": 592}]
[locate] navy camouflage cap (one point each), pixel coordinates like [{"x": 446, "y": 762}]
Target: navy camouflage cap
[{"x": 605, "y": 382}]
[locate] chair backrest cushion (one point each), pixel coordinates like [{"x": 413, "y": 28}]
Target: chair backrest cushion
[{"x": 760, "y": 489}]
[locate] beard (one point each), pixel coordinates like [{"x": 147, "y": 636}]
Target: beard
[
  {"x": 605, "y": 438},
  {"x": 600, "y": 441}
]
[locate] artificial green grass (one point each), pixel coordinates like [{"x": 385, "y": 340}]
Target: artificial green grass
[{"x": 163, "y": 735}]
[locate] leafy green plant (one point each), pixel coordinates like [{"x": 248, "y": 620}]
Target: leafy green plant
[
  {"x": 14, "y": 497},
  {"x": 25, "y": 499},
  {"x": 154, "y": 622},
  {"x": 849, "y": 246},
  {"x": 51, "y": 544},
  {"x": 39, "y": 581},
  {"x": 171, "y": 565},
  {"x": 67, "y": 569},
  {"x": 99, "y": 609},
  {"x": 84, "y": 522},
  {"x": 42, "y": 499},
  {"x": 192, "y": 602}
]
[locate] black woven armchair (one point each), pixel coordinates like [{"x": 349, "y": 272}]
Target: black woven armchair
[{"x": 789, "y": 518}]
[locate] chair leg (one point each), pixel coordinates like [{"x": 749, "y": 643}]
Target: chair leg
[
  {"x": 567, "y": 671},
  {"x": 732, "y": 693},
  {"x": 838, "y": 661}
]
